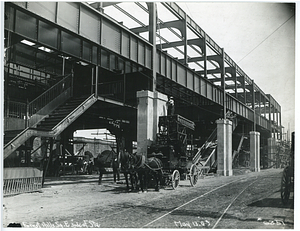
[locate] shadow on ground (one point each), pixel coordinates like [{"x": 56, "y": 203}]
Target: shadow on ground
[{"x": 272, "y": 203}]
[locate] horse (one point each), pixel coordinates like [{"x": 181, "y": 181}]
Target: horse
[
  {"x": 146, "y": 167},
  {"x": 127, "y": 169}
]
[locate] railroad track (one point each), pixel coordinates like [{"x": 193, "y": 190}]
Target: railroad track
[{"x": 158, "y": 213}]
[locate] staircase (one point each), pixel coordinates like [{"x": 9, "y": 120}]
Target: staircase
[
  {"x": 236, "y": 152},
  {"x": 9, "y": 135},
  {"x": 46, "y": 116},
  {"x": 53, "y": 125},
  {"x": 203, "y": 157},
  {"x": 205, "y": 152},
  {"x": 59, "y": 114}
]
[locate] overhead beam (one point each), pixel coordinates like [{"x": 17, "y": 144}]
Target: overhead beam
[
  {"x": 171, "y": 24},
  {"x": 96, "y": 5}
]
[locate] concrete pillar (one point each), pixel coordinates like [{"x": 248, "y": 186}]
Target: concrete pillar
[
  {"x": 224, "y": 147},
  {"x": 151, "y": 105},
  {"x": 255, "y": 151},
  {"x": 271, "y": 152}
]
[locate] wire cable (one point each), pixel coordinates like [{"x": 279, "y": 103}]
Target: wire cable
[{"x": 266, "y": 38}]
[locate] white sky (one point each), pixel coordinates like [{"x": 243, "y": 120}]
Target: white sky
[{"x": 260, "y": 38}]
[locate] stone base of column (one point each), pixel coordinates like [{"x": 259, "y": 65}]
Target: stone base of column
[
  {"x": 255, "y": 151},
  {"x": 271, "y": 152},
  {"x": 151, "y": 105},
  {"x": 224, "y": 150},
  {"x": 225, "y": 172}
]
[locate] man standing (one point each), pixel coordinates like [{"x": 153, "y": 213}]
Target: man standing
[
  {"x": 116, "y": 171},
  {"x": 170, "y": 106}
]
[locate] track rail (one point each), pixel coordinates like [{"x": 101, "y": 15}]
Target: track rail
[
  {"x": 196, "y": 198},
  {"x": 252, "y": 180}
]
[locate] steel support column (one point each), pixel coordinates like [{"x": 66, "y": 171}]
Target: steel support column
[
  {"x": 184, "y": 35},
  {"x": 253, "y": 105},
  {"x": 270, "y": 120},
  {"x": 223, "y": 82},
  {"x": 235, "y": 82},
  {"x": 96, "y": 80},
  {"x": 244, "y": 89},
  {"x": 205, "y": 56},
  {"x": 152, "y": 38}
]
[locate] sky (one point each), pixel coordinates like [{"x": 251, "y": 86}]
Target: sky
[{"x": 260, "y": 38}]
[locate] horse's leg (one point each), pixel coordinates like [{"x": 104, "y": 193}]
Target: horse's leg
[
  {"x": 126, "y": 178},
  {"x": 132, "y": 181},
  {"x": 140, "y": 174},
  {"x": 156, "y": 181},
  {"x": 158, "y": 178},
  {"x": 146, "y": 179},
  {"x": 136, "y": 181}
]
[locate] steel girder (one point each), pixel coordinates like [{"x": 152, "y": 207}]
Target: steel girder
[{"x": 110, "y": 45}]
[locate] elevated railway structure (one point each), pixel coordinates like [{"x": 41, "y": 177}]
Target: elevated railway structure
[{"x": 70, "y": 65}]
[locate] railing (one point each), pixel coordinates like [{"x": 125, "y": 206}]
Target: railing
[
  {"x": 15, "y": 109},
  {"x": 113, "y": 89},
  {"x": 206, "y": 144},
  {"x": 21, "y": 72},
  {"x": 21, "y": 180},
  {"x": 21, "y": 185},
  {"x": 37, "y": 104},
  {"x": 27, "y": 111}
]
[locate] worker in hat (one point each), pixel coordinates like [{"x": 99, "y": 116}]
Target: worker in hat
[{"x": 170, "y": 106}]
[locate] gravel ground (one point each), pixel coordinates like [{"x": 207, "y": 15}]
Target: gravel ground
[{"x": 245, "y": 200}]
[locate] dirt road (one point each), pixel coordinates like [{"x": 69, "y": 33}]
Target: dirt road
[{"x": 251, "y": 200}]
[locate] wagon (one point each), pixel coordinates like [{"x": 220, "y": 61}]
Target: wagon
[
  {"x": 287, "y": 180},
  {"x": 173, "y": 147}
]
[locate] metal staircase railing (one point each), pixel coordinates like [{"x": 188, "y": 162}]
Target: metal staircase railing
[
  {"x": 14, "y": 109},
  {"x": 42, "y": 100},
  {"x": 29, "y": 132},
  {"x": 76, "y": 112},
  {"x": 28, "y": 111},
  {"x": 41, "y": 106},
  {"x": 236, "y": 152},
  {"x": 198, "y": 155},
  {"x": 210, "y": 143}
]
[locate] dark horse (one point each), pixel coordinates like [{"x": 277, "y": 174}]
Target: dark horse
[
  {"x": 127, "y": 169},
  {"x": 147, "y": 168}
]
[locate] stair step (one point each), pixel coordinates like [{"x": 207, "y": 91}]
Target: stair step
[
  {"x": 48, "y": 124},
  {"x": 59, "y": 114},
  {"x": 54, "y": 119},
  {"x": 63, "y": 109},
  {"x": 44, "y": 128},
  {"x": 9, "y": 135},
  {"x": 56, "y": 116}
]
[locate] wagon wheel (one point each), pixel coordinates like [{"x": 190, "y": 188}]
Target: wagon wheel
[
  {"x": 193, "y": 175},
  {"x": 175, "y": 179},
  {"x": 285, "y": 185}
]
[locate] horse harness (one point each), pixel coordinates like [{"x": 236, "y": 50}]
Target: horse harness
[{"x": 141, "y": 163}]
